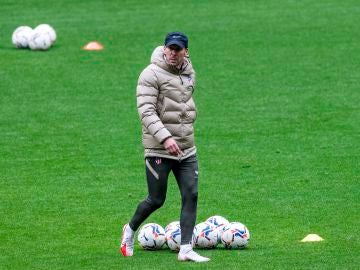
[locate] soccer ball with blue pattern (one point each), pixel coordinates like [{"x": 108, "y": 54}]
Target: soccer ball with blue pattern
[
  {"x": 173, "y": 238},
  {"x": 219, "y": 222},
  {"x": 205, "y": 235},
  {"x": 172, "y": 225},
  {"x": 235, "y": 235},
  {"x": 151, "y": 236}
]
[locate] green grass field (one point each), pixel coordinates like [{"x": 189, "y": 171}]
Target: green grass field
[{"x": 278, "y": 131}]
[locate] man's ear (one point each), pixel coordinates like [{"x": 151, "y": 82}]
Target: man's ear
[{"x": 187, "y": 52}]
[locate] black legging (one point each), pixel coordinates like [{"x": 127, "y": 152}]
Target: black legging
[{"x": 157, "y": 172}]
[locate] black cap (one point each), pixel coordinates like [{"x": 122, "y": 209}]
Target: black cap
[{"x": 176, "y": 38}]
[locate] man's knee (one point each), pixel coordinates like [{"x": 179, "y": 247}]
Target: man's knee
[
  {"x": 155, "y": 203},
  {"x": 190, "y": 196}
]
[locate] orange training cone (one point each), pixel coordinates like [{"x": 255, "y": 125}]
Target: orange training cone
[{"x": 93, "y": 46}]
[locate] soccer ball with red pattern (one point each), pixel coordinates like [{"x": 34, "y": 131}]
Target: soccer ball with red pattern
[
  {"x": 219, "y": 222},
  {"x": 173, "y": 238},
  {"x": 235, "y": 235},
  {"x": 172, "y": 225},
  {"x": 151, "y": 236},
  {"x": 205, "y": 235}
]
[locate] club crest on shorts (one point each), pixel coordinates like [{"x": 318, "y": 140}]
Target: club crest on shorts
[{"x": 158, "y": 161}]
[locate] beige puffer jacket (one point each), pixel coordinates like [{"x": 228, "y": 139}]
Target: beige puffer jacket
[{"x": 165, "y": 106}]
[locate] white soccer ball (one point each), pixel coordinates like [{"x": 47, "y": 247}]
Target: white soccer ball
[
  {"x": 21, "y": 36},
  {"x": 173, "y": 238},
  {"x": 235, "y": 235},
  {"x": 205, "y": 235},
  {"x": 45, "y": 28},
  {"x": 172, "y": 225},
  {"x": 40, "y": 41},
  {"x": 219, "y": 222},
  {"x": 151, "y": 236}
]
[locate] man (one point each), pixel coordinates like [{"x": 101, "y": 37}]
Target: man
[{"x": 167, "y": 112}]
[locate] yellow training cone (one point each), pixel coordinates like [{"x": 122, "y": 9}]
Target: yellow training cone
[{"x": 312, "y": 238}]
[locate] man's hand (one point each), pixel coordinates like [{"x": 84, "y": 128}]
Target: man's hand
[{"x": 171, "y": 147}]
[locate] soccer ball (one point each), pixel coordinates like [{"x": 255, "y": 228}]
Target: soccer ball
[
  {"x": 219, "y": 222},
  {"x": 173, "y": 238},
  {"x": 235, "y": 235},
  {"x": 151, "y": 236},
  {"x": 46, "y": 29},
  {"x": 172, "y": 225},
  {"x": 205, "y": 235},
  {"x": 21, "y": 36},
  {"x": 40, "y": 41}
]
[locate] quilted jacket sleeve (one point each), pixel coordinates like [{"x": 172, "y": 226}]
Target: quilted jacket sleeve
[{"x": 147, "y": 93}]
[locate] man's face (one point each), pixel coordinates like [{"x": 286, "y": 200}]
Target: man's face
[{"x": 175, "y": 54}]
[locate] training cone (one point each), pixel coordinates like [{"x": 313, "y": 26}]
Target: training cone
[
  {"x": 312, "y": 238},
  {"x": 93, "y": 46}
]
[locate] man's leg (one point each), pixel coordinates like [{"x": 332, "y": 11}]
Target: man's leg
[
  {"x": 157, "y": 172},
  {"x": 186, "y": 174}
]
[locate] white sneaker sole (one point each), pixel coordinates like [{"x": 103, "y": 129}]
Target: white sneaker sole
[{"x": 184, "y": 258}]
